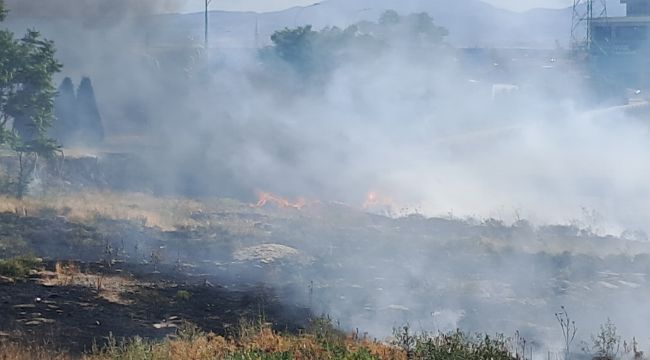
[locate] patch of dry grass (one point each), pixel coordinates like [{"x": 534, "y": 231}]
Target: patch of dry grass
[
  {"x": 109, "y": 287},
  {"x": 256, "y": 342},
  {"x": 166, "y": 213},
  {"x": 12, "y": 351}
]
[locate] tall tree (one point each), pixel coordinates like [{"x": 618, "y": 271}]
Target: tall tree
[
  {"x": 295, "y": 46},
  {"x": 90, "y": 122},
  {"x": 312, "y": 52},
  {"x": 65, "y": 109},
  {"x": 389, "y": 18},
  {"x": 27, "y": 94}
]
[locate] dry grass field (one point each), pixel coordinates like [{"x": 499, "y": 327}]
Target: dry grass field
[{"x": 109, "y": 275}]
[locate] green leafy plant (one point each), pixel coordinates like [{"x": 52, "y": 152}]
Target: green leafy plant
[
  {"x": 183, "y": 295},
  {"x": 316, "y": 53},
  {"x": 453, "y": 345},
  {"x": 188, "y": 331},
  {"x": 18, "y": 268},
  {"x": 27, "y": 93}
]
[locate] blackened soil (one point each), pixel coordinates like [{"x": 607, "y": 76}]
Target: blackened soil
[{"x": 152, "y": 307}]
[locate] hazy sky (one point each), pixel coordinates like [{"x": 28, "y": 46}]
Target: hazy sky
[
  {"x": 519, "y": 5},
  {"x": 271, "y": 5}
]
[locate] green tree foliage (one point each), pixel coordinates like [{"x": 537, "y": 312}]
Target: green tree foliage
[
  {"x": 414, "y": 30},
  {"x": 295, "y": 46},
  {"x": 311, "y": 52},
  {"x": 389, "y": 18},
  {"x": 65, "y": 111},
  {"x": 314, "y": 53},
  {"x": 27, "y": 96},
  {"x": 90, "y": 122}
]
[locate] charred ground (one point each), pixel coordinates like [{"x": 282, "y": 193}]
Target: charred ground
[{"x": 136, "y": 265}]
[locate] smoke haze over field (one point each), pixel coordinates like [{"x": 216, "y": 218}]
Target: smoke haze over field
[
  {"x": 264, "y": 5},
  {"x": 89, "y": 8},
  {"x": 421, "y": 128},
  {"x": 431, "y": 129},
  {"x": 85, "y": 7},
  {"x": 91, "y": 13}
]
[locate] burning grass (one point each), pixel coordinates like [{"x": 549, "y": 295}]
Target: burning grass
[
  {"x": 165, "y": 241},
  {"x": 266, "y": 198}
]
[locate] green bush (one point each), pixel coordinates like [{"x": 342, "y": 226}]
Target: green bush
[
  {"x": 18, "y": 268},
  {"x": 134, "y": 349},
  {"x": 454, "y": 345},
  {"x": 183, "y": 295}
]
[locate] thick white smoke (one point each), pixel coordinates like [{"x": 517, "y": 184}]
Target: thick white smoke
[
  {"x": 94, "y": 9},
  {"x": 421, "y": 128}
]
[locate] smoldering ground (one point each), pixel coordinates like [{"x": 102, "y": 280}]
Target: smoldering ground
[
  {"x": 419, "y": 127},
  {"x": 422, "y": 135}
]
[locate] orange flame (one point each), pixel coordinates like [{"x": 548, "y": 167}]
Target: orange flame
[
  {"x": 375, "y": 200},
  {"x": 265, "y": 198}
]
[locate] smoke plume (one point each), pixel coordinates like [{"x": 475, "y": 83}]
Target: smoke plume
[
  {"x": 93, "y": 13},
  {"x": 493, "y": 138}
]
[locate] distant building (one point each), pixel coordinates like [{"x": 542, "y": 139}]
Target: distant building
[
  {"x": 619, "y": 47},
  {"x": 637, "y": 7},
  {"x": 622, "y": 34}
]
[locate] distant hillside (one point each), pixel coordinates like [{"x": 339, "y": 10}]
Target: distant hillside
[{"x": 471, "y": 23}]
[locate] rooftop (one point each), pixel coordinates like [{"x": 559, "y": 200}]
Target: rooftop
[{"x": 623, "y": 19}]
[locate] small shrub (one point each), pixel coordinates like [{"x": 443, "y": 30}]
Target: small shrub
[
  {"x": 189, "y": 332},
  {"x": 405, "y": 340},
  {"x": 323, "y": 329},
  {"x": 18, "y": 268},
  {"x": 183, "y": 295},
  {"x": 454, "y": 345},
  {"x": 607, "y": 343},
  {"x": 134, "y": 349}
]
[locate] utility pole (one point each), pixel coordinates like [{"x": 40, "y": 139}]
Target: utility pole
[
  {"x": 584, "y": 12},
  {"x": 257, "y": 33},
  {"x": 207, "y": 23}
]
